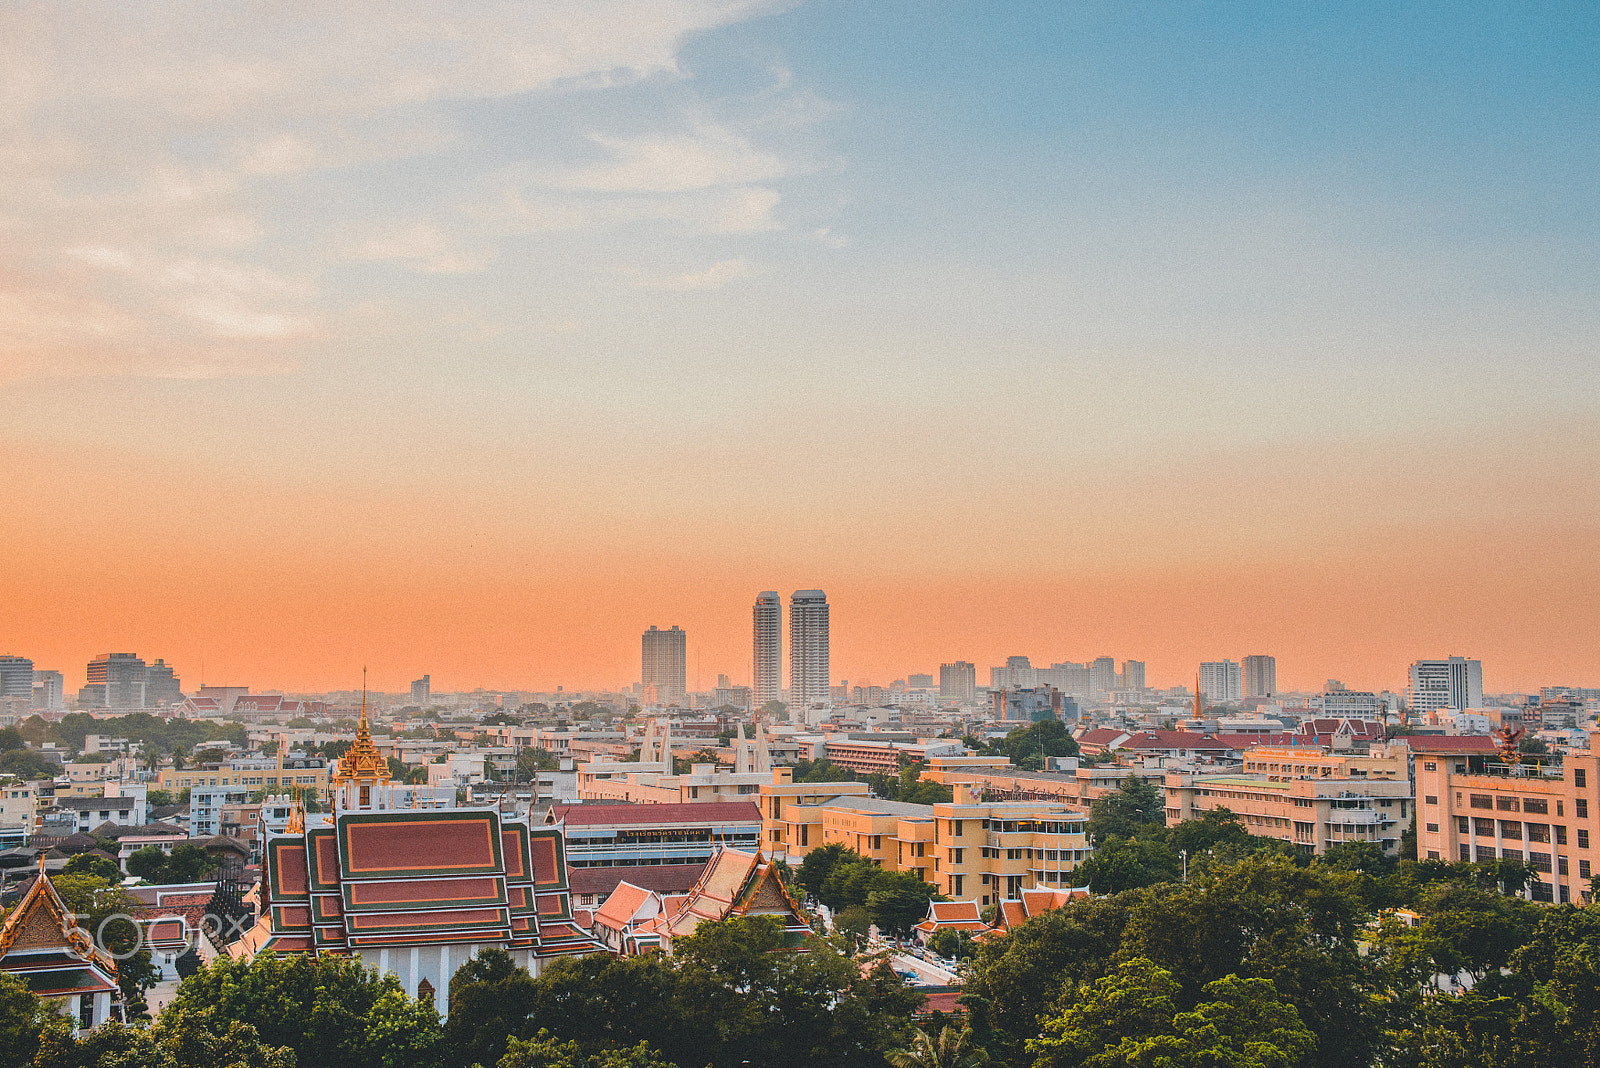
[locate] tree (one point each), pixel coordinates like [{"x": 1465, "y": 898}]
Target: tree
[
  {"x": 94, "y": 864},
  {"x": 11, "y": 738},
  {"x": 25, "y": 1023},
  {"x": 952, "y": 944},
  {"x": 330, "y": 1011},
  {"x": 490, "y": 1000},
  {"x": 1119, "y": 864},
  {"x": 179, "y": 1040},
  {"x": 819, "y": 864},
  {"x": 545, "y": 1051},
  {"x": 1135, "y": 806},
  {"x": 103, "y": 909},
  {"x": 185, "y": 864},
  {"x": 1131, "y": 1018},
  {"x": 952, "y": 1049}
]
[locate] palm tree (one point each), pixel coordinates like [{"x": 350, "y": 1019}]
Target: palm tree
[{"x": 953, "y": 1049}]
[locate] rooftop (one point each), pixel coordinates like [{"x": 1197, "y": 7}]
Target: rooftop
[{"x": 692, "y": 812}]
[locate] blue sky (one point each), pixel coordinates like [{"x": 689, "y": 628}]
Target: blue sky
[{"x": 777, "y": 280}]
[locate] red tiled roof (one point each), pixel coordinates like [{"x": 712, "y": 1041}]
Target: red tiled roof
[
  {"x": 622, "y": 906},
  {"x": 662, "y": 878},
  {"x": 1101, "y": 736},
  {"x": 1175, "y": 740},
  {"x": 688, "y": 812}
]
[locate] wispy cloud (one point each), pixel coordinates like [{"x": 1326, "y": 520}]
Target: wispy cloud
[{"x": 714, "y": 277}]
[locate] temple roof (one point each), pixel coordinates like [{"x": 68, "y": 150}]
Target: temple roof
[
  {"x": 42, "y": 945},
  {"x": 362, "y": 760}
]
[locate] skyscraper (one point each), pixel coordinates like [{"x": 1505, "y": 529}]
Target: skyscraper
[
  {"x": 664, "y": 663},
  {"x": 1260, "y": 676},
  {"x": 421, "y": 690},
  {"x": 16, "y": 677},
  {"x": 47, "y": 690},
  {"x": 1133, "y": 674},
  {"x": 1451, "y": 683},
  {"x": 960, "y": 681},
  {"x": 1103, "y": 674},
  {"x": 768, "y": 626},
  {"x": 116, "y": 680},
  {"x": 162, "y": 686},
  {"x": 1219, "y": 680},
  {"x": 808, "y": 648}
]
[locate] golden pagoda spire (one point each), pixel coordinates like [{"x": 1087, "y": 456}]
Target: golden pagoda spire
[
  {"x": 297, "y": 818},
  {"x": 362, "y": 764},
  {"x": 1198, "y": 709}
]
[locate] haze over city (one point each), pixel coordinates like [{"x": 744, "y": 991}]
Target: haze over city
[{"x": 478, "y": 340}]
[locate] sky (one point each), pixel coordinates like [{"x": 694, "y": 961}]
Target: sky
[{"x": 473, "y": 339}]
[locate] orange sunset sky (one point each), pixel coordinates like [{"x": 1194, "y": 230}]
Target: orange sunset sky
[{"x": 475, "y": 340}]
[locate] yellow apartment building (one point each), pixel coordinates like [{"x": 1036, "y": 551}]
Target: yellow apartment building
[
  {"x": 1282, "y": 763},
  {"x": 306, "y": 778},
  {"x": 1310, "y": 811},
  {"x": 1546, "y": 817},
  {"x": 968, "y": 849}
]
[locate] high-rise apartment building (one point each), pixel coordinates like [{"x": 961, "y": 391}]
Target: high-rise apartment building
[
  {"x": 1451, "y": 683},
  {"x": 422, "y": 690},
  {"x": 959, "y": 681},
  {"x": 162, "y": 687},
  {"x": 808, "y": 648},
  {"x": 116, "y": 680},
  {"x": 1103, "y": 674},
  {"x": 768, "y": 633},
  {"x": 663, "y": 664},
  {"x": 1260, "y": 676},
  {"x": 1133, "y": 674},
  {"x": 1074, "y": 679},
  {"x": 16, "y": 677},
  {"x": 1016, "y": 674},
  {"x": 1219, "y": 680},
  {"x": 48, "y": 692}
]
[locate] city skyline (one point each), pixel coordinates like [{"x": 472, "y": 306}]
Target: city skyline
[{"x": 1180, "y": 331}]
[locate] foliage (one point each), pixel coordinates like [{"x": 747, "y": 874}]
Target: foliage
[
  {"x": 26, "y": 1023},
  {"x": 10, "y": 738},
  {"x": 203, "y": 1039},
  {"x": 102, "y": 907},
  {"x": 1027, "y": 747},
  {"x": 909, "y": 787},
  {"x": 1119, "y": 864},
  {"x": 841, "y": 878},
  {"x": 27, "y": 764},
  {"x": 545, "y": 1051},
  {"x": 730, "y": 994},
  {"x": 96, "y": 865},
  {"x": 953, "y": 944},
  {"x": 1133, "y": 1017},
  {"x": 185, "y": 864},
  {"x": 1135, "y": 806},
  {"x": 822, "y": 771},
  {"x": 330, "y": 1011},
  {"x": 952, "y": 1049},
  {"x": 141, "y": 728},
  {"x": 490, "y": 996}
]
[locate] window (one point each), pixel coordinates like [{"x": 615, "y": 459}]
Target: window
[
  {"x": 1430, "y": 766},
  {"x": 1583, "y": 869},
  {"x": 1506, "y": 804},
  {"x": 1433, "y": 828},
  {"x": 1538, "y": 832},
  {"x": 955, "y": 828},
  {"x": 1580, "y": 777},
  {"x": 1462, "y": 825},
  {"x": 1580, "y": 808},
  {"x": 877, "y": 843},
  {"x": 1481, "y": 801},
  {"x": 1510, "y": 829},
  {"x": 85, "y": 1011},
  {"x": 1466, "y": 853},
  {"x": 1583, "y": 838},
  {"x": 1536, "y": 804},
  {"x": 1483, "y": 827},
  {"x": 1561, "y": 835},
  {"x": 956, "y": 856},
  {"x": 1430, "y": 799}
]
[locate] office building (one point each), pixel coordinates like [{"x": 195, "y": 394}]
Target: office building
[
  {"x": 1103, "y": 675},
  {"x": 663, "y": 664},
  {"x": 1451, "y": 683},
  {"x": 162, "y": 687},
  {"x": 1133, "y": 675},
  {"x": 808, "y": 648},
  {"x": 115, "y": 680},
  {"x": 768, "y": 650},
  {"x": 1219, "y": 681},
  {"x": 959, "y": 681},
  {"x": 1312, "y": 813},
  {"x": 16, "y": 677},
  {"x": 916, "y": 681},
  {"x": 1548, "y": 819},
  {"x": 48, "y": 691},
  {"x": 422, "y": 690},
  {"x": 1075, "y": 679},
  {"x": 1260, "y": 676}
]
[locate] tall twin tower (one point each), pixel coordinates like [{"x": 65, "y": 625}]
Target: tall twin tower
[{"x": 808, "y": 648}]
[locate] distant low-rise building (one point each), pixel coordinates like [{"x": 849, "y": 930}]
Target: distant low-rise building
[{"x": 1313, "y": 813}]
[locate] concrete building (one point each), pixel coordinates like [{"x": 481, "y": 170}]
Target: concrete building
[
  {"x": 632, "y": 835},
  {"x": 966, "y": 848},
  {"x": 48, "y": 691},
  {"x": 767, "y": 651},
  {"x": 959, "y": 681},
  {"x": 115, "y": 680},
  {"x": 1133, "y": 675},
  {"x": 1312, "y": 813},
  {"x": 1103, "y": 675},
  {"x": 663, "y": 664},
  {"x": 162, "y": 687},
  {"x": 1069, "y": 678},
  {"x": 422, "y": 690},
  {"x": 1348, "y": 704},
  {"x": 206, "y": 805},
  {"x": 1031, "y": 706},
  {"x": 1548, "y": 818},
  {"x": 1260, "y": 676},
  {"x": 809, "y": 664},
  {"x": 16, "y": 677},
  {"x": 1453, "y": 683},
  {"x": 1220, "y": 681},
  {"x": 1016, "y": 673}
]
